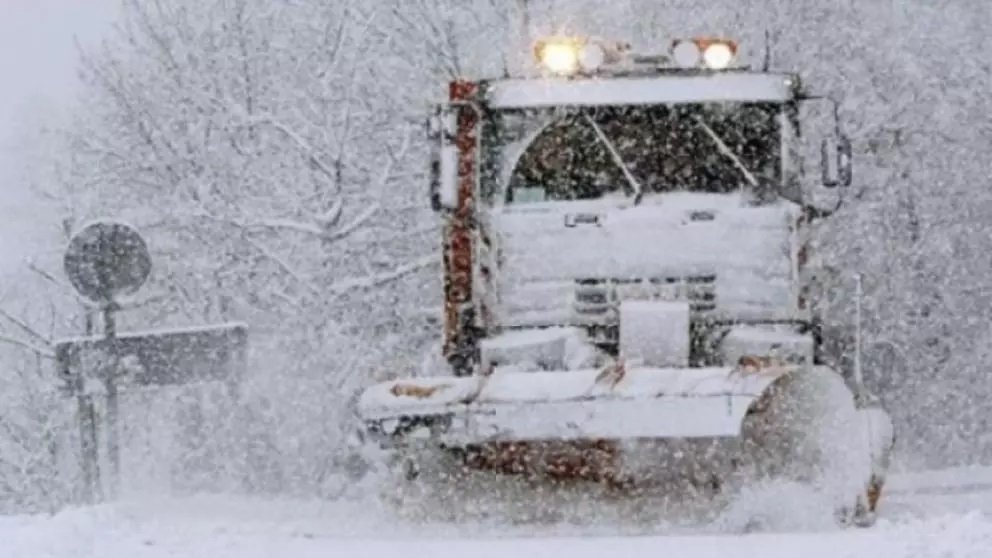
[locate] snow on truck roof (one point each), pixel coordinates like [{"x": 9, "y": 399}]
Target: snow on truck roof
[{"x": 663, "y": 88}]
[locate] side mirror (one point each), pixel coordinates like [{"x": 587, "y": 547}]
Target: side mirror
[
  {"x": 835, "y": 161},
  {"x": 441, "y": 129}
]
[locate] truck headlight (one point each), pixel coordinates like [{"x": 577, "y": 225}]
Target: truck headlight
[
  {"x": 559, "y": 56},
  {"x": 713, "y": 54},
  {"x": 718, "y": 56}
]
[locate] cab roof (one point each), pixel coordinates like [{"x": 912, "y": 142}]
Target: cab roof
[{"x": 658, "y": 88}]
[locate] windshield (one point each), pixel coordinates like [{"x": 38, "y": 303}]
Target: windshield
[{"x": 592, "y": 153}]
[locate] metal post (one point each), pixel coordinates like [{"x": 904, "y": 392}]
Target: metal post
[
  {"x": 103, "y": 260},
  {"x": 110, "y": 384},
  {"x": 859, "y": 379},
  {"x": 88, "y": 433},
  {"x": 88, "y": 444},
  {"x": 237, "y": 454}
]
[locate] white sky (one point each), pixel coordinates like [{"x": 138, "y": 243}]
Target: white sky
[{"x": 37, "y": 69}]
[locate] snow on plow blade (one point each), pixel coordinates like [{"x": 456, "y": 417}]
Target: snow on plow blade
[{"x": 574, "y": 405}]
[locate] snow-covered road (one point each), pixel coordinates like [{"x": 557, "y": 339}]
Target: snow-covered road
[
  {"x": 111, "y": 534},
  {"x": 946, "y": 516}
]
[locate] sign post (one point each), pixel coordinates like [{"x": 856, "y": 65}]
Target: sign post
[
  {"x": 88, "y": 442},
  {"x": 103, "y": 262},
  {"x": 113, "y": 404}
]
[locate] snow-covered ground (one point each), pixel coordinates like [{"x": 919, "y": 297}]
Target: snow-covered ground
[{"x": 946, "y": 515}]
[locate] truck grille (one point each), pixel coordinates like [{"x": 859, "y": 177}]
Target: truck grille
[{"x": 601, "y": 297}]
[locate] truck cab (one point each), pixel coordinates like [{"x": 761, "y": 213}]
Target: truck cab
[{"x": 613, "y": 178}]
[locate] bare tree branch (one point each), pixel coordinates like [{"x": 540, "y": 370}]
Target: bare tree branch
[
  {"x": 285, "y": 266},
  {"x": 40, "y": 351},
  {"x": 24, "y": 327},
  {"x": 379, "y": 279},
  {"x": 384, "y": 179}
]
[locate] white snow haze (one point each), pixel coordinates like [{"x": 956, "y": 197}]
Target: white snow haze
[
  {"x": 659, "y": 323},
  {"x": 38, "y": 60}
]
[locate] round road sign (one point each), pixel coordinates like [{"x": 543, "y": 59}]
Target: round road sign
[{"x": 106, "y": 260}]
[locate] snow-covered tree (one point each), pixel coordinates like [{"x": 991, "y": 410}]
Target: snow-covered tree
[{"x": 270, "y": 159}]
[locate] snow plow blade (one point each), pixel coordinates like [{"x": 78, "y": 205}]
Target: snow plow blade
[{"x": 591, "y": 404}]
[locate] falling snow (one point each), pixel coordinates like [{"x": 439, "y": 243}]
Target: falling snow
[{"x": 273, "y": 157}]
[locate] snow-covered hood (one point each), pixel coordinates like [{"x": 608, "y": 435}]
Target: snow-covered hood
[{"x": 544, "y": 249}]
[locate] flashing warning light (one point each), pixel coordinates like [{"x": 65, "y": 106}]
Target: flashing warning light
[{"x": 714, "y": 54}]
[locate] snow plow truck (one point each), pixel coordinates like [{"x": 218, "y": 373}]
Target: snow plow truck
[{"x": 629, "y": 302}]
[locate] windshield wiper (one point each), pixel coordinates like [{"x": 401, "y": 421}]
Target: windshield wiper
[
  {"x": 722, "y": 147},
  {"x": 634, "y": 184}
]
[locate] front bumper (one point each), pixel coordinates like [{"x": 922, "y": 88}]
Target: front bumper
[{"x": 590, "y": 404}]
